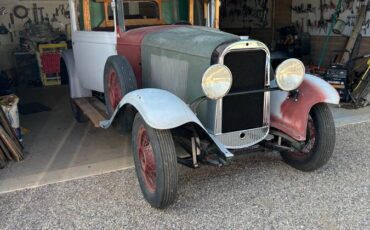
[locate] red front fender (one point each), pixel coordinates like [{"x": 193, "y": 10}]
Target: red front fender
[{"x": 291, "y": 116}]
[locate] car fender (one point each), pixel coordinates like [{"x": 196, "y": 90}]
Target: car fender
[
  {"x": 290, "y": 115},
  {"x": 75, "y": 88},
  {"x": 161, "y": 110}
]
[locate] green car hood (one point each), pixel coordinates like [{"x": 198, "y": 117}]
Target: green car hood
[
  {"x": 192, "y": 40},
  {"x": 175, "y": 60}
]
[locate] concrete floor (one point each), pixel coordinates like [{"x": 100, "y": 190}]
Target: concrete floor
[{"x": 59, "y": 149}]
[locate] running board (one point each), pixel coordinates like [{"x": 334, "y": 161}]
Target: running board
[{"x": 93, "y": 109}]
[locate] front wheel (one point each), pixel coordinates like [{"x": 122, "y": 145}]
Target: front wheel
[
  {"x": 320, "y": 141},
  {"x": 155, "y": 163}
]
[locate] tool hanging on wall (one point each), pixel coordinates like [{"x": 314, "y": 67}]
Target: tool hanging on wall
[
  {"x": 54, "y": 19},
  {"x": 20, "y": 12},
  {"x": 46, "y": 19},
  {"x": 11, "y": 37},
  {"x": 322, "y": 24},
  {"x": 41, "y": 14},
  {"x": 11, "y": 17},
  {"x": 35, "y": 14},
  {"x": 67, "y": 13},
  {"x": 3, "y": 11}
]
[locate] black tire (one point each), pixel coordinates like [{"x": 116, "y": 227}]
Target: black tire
[
  {"x": 76, "y": 111},
  {"x": 162, "y": 191},
  {"x": 322, "y": 147},
  {"x": 126, "y": 82}
]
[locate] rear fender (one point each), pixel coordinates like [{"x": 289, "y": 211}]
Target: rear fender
[
  {"x": 291, "y": 116},
  {"x": 76, "y": 89},
  {"x": 161, "y": 110}
]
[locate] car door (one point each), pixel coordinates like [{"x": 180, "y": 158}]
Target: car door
[{"x": 94, "y": 40}]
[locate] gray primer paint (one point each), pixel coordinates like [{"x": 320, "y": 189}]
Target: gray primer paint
[{"x": 175, "y": 60}]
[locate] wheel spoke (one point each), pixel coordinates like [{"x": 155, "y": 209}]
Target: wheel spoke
[
  {"x": 114, "y": 88},
  {"x": 147, "y": 159}
]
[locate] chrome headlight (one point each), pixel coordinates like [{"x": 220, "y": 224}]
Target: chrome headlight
[
  {"x": 290, "y": 74},
  {"x": 217, "y": 81}
]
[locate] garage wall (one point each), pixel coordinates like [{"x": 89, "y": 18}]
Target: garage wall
[
  {"x": 6, "y": 46},
  {"x": 281, "y": 17},
  {"x": 335, "y": 43}
]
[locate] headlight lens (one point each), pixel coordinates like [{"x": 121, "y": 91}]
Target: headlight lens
[
  {"x": 217, "y": 81},
  {"x": 290, "y": 74}
]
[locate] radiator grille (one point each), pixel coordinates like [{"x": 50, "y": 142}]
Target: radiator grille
[{"x": 242, "y": 112}]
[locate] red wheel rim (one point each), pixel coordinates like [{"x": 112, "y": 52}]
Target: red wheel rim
[
  {"x": 310, "y": 140},
  {"x": 146, "y": 159},
  {"x": 114, "y": 88}
]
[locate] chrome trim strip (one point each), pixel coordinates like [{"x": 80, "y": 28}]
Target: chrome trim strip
[{"x": 238, "y": 46}]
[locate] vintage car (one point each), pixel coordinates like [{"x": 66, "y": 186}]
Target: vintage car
[{"x": 174, "y": 82}]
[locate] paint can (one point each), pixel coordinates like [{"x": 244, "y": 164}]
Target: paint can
[{"x": 339, "y": 26}]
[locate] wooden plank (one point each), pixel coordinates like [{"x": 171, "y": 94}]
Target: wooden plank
[
  {"x": 86, "y": 14},
  {"x": 5, "y": 151},
  {"x": 6, "y": 125},
  {"x": 90, "y": 111},
  {"x": 2, "y": 159},
  {"x": 217, "y": 14},
  {"x": 191, "y": 12},
  {"x": 138, "y": 22},
  {"x": 355, "y": 33},
  {"x": 106, "y": 14},
  {"x": 15, "y": 151},
  {"x": 99, "y": 106}
]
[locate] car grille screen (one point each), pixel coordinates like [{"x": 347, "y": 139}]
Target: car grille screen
[{"x": 242, "y": 112}]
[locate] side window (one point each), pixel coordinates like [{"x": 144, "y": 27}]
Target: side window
[
  {"x": 94, "y": 15},
  {"x": 139, "y": 13},
  {"x": 141, "y": 10}
]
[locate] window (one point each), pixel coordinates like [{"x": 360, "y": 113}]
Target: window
[
  {"x": 141, "y": 10},
  {"x": 139, "y": 13},
  {"x": 94, "y": 15}
]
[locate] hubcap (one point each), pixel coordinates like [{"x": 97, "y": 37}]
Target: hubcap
[
  {"x": 114, "y": 89},
  {"x": 146, "y": 159}
]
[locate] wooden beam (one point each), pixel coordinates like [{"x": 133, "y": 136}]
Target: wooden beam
[
  {"x": 90, "y": 111},
  {"x": 86, "y": 14},
  {"x": 217, "y": 14},
  {"x": 138, "y": 22},
  {"x": 6, "y": 125},
  {"x": 355, "y": 33},
  {"x": 106, "y": 14},
  {"x": 205, "y": 11},
  {"x": 13, "y": 148},
  {"x": 191, "y": 12},
  {"x": 5, "y": 151}
]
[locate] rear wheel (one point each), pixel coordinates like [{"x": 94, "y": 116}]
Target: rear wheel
[
  {"x": 119, "y": 79},
  {"x": 320, "y": 141},
  {"x": 155, "y": 163}
]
